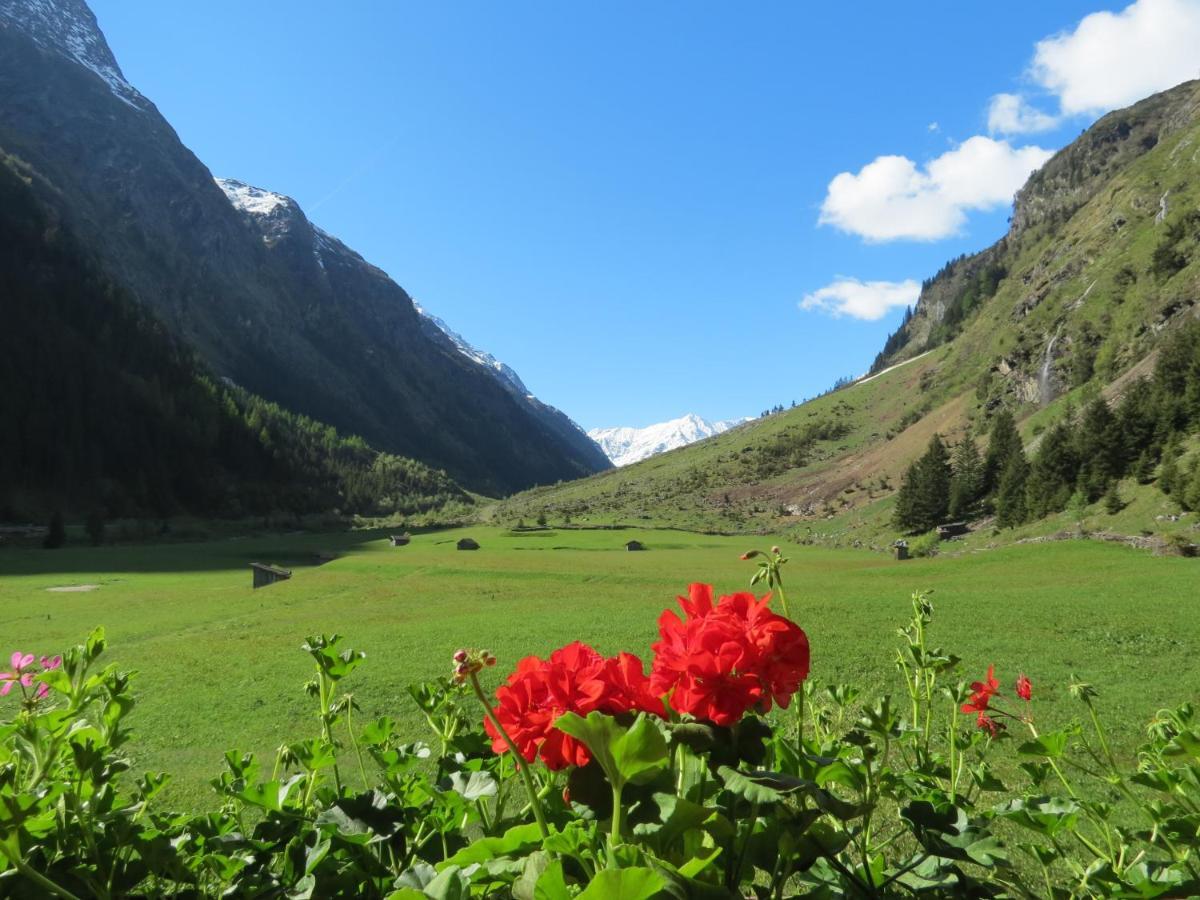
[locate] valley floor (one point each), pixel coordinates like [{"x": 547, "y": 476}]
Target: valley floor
[{"x": 219, "y": 664}]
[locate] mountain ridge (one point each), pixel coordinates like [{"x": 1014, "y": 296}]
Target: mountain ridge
[{"x": 325, "y": 333}]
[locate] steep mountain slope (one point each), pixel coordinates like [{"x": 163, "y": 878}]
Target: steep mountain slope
[
  {"x": 625, "y": 446},
  {"x": 104, "y": 412},
  {"x": 270, "y": 302},
  {"x": 1101, "y": 263}
]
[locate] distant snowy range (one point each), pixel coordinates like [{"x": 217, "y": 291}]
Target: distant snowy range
[{"x": 629, "y": 445}]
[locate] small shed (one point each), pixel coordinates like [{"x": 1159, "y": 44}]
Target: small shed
[
  {"x": 323, "y": 556},
  {"x": 951, "y": 530},
  {"x": 634, "y": 545},
  {"x": 900, "y": 548},
  {"x": 264, "y": 574},
  {"x": 399, "y": 540},
  {"x": 468, "y": 544}
]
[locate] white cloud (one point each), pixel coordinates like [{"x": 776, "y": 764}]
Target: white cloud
[
  {"x": 869, "y": 300},
  {"x": 891, "y": 198},
  {"x": 934, "y": 126},
  {"x": 1011, "y": 114},
  {"x": 1113, "y": 59}
]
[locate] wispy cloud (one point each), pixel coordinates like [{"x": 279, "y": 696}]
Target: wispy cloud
[{"x": 868, "y": 300}]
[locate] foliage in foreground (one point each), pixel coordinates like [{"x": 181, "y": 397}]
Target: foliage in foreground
[{"x": 595, "y": 779}]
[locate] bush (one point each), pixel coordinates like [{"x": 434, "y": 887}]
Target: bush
[{"x": 927, "y": 544}]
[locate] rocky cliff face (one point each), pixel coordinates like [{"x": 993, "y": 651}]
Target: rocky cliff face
[
  {"x": 1052, "y": 195},
  {"x": 270, "y": 301}
]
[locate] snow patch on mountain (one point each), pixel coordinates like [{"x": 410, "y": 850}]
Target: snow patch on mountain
[
  {"x": 501, "y": 371},
  {"x": 69, "y": 28},
  {"x": 629, "y": 445},
  {"x": 250, "y": 199}
]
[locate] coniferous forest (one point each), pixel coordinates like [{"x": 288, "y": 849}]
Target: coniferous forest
[
  {"x": 108, "y": 415},
  {"x": 1081, "y": 456}
]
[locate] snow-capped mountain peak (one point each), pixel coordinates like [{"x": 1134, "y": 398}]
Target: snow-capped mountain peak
[
  {"x": 69, "y": 28},
  {"x": 250, "y": 199},
  {"x": 629, "y": 445}
]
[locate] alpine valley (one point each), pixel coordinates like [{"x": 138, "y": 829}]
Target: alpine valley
[{"x": 1080, "y": 324}]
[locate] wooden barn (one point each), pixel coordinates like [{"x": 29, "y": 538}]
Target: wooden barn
[
  {"x": 264, "y": 574},
  {"x": 400, "y": 540},
  {"x": 468, "y": 544},
  {"x": 951, "y": 530},
  {"x": 634, "y": 545}
]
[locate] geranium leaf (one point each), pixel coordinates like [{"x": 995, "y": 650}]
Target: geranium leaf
[
  {"x": 638, "y": 883},
  {"x": 635, "y": 754},
  {"x": 552, "y": 885},
  {"x": 474, "y": 785},
  {"x": 517, "y": 841}
]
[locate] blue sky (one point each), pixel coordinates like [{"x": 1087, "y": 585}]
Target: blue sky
[{"x": 629, "y": 202}]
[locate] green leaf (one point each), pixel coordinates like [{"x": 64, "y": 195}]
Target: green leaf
[
  {"x": 1046, "y": 815},
  {"x": 517, "y": 841},
  {"x": 638, "y": 883},
  {"x": 474, "y": 785},
  {"x": 552, "y": 885},
  {"x": 1050, "y": 746},
  {"x": 627, "y": 755},
  {"x": 315, "y": 854},
  {"x": 766, "y": 788}
]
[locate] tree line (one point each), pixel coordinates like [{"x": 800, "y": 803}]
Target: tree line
[{"x": 1081, "y": 457}]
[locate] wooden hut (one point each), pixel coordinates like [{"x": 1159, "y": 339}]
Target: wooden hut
[
  {"x": 900, "y": 548},
  {"x": 634, "y": 545},
  {"x": 399, "y": 540},
  {"x": 264, "y": 574},
  {"x": 468, "y": 544},
  {"x": 323, "y": 556},
  {"x": 951, "y": 530}
]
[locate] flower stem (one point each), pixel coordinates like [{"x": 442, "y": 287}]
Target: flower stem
[
  {"x": 778, "y": 579},
  {"x": 522, "y": 766}
]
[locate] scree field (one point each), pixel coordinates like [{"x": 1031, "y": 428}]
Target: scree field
[{"x": 219, "y": 664}]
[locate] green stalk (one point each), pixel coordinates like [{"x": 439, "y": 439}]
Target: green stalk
[
  {"x": 778, "y": 580},
  {"x": 522, "y": 766},
  {"x": 618, "y": 825}
]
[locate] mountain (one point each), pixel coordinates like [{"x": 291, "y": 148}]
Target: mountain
[
  {"x": 106, "y": 413},
  {"x": 1098, "y": 272},
  {"x": 629, "y": 445},
  {"x": 269, "y": 301},
  {"x": 553, "y": 419}
]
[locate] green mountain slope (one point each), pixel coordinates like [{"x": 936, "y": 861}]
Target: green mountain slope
[
  {"x": 1101, "y": 263},
  {"x": 103, "y": 410}
]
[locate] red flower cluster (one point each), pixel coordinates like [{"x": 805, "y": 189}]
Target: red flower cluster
[
  {"x": 723, "y": 660},
  {"x": 574, "y": 679},
  {"x": 980, "y": 701}
]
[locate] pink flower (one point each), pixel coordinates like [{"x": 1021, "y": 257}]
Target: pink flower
[{"x": 23, "y": 673}]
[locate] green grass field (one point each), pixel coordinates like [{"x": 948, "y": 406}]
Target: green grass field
[{"x": 220, "y": 667}]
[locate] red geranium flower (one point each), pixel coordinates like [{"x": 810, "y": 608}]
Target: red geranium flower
[
  {"x": 574, "y": 679},
  {"x": 982, "y": 693},
  {"x": 723, "y": 660},
  {"x": 1024, "y": 688}
]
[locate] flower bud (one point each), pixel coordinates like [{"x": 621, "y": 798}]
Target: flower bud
[
  {"x": 776, "y": 550},
  {"x": 460, "y": 656}
]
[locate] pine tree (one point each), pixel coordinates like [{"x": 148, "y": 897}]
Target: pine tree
[
  {"x": 1010, "y": 497},
  {"x": 1168, "y": 475},
  {"x": 1053, "y": 473},
  {"x": 1005, "y": 443},
  {"x": 1113, "y": 503},
  {"x": 966, "y": 484},
  {"x": 925, "y": 493},
  {"x": 1143, "y": 469},
  {"x": 1190, "y": 494},
  {"x": 1099, "y": 447}
]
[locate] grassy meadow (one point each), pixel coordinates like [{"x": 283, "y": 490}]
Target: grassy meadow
[{"x": 219, "y": 664}]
